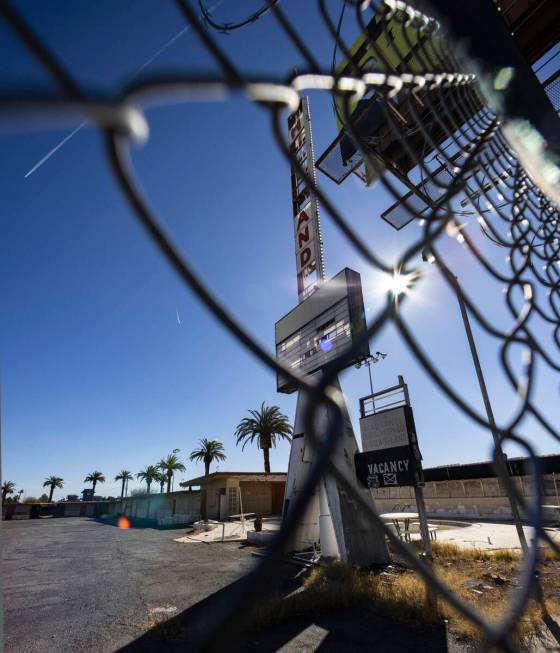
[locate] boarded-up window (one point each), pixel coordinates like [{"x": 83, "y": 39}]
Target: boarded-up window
[{"x": 256, "y": 497}]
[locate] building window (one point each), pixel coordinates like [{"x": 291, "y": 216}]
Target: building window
[{"x": 232, "y": 501}]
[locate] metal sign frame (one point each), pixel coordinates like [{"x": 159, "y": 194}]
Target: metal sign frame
[{"x": 413, "y": 475}]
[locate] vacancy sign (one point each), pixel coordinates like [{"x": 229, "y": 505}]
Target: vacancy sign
[{"x": 391, "y": 457}]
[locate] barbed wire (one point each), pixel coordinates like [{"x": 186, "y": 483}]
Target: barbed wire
[{"x": 442, "y": 99}]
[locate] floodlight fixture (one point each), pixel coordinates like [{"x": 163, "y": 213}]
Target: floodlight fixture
[
  {"x": 368, "y": 361},
  {"x": 428, "y": 256}
]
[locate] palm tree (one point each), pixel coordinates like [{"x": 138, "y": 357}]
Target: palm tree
[
  {"x": 160, "y": 478},
  {"x": 52, "y": 482},
  {"x": 168, "y": 466},
  {"x": 124, "y": 475},
  {"x": 150, "y": 474},
  {"x": 162, "y": 475},
  {"x": 266, "y": 426},
  {"x": 94, "y": 478},
  {"x": 208, "y": 451},
  {"x": 8, "y": 487}
]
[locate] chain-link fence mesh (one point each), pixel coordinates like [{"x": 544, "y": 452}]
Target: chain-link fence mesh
[
  {"x": 434, "y": 102},
  {"x": 552, "y": 88}
]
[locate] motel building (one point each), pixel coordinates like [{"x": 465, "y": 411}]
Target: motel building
[{"x": 233, "y": 493}]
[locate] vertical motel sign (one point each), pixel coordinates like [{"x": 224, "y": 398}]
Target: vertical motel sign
[{"x": 307, "y": 227}]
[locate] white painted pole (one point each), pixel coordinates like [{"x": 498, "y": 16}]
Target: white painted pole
[
  {"x": 329, "y": 546},
  {"x": 241, "y": 508}
]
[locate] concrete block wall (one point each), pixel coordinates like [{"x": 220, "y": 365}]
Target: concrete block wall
[
  {"x": 256, "y": 497},
  {"x": 164, "y": 509},
  {"x": 60, "y": 509},
  {"x": 472, "y": 498}
]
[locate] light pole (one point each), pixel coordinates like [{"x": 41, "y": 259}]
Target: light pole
[
  {"x": 369, "y": 361},
  {"x": 429, "y": 257}
]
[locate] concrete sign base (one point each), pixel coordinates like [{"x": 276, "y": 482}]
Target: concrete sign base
[{"x": 357, "y": 540}]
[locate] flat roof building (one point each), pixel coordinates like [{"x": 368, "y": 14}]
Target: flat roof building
[{"x": 231, "y": 493}]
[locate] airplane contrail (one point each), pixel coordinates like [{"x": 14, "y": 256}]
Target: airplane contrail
[
  {"x": 178, "y": 318},
  {"x": 148, "y": 61},
  {"x": 55, "y": 149}
]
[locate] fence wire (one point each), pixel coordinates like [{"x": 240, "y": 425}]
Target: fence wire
[{"x": 439, "y": 92}]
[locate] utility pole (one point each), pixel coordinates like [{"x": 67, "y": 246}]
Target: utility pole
[
  {"x": 429, "y": 257},
  {"x": 501, "y": 457}
]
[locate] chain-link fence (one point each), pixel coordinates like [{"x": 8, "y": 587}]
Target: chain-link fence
[
  {"x": 446, "y": 109},
  {"x": 552, "y": 88}
]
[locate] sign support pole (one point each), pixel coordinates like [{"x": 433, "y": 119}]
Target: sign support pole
[
  {"x": 422, "y": 517},
  {"x": 419, "y": 495},
  {"x": 431, "y": 598}
]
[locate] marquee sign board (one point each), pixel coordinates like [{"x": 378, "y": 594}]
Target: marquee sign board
[
  {"x": 307, "y": 226},
  {"x": 392, "y": 467},
  {"x": 322, "y": 327},
  {"x": 391, "y": 455},
  {"x": 393, "y": 45}
]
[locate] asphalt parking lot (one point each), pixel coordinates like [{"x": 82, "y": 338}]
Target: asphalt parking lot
[{"x": 75, "y": 584}]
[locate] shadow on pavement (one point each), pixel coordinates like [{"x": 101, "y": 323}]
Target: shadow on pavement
[
  {"x": 346, "y": 629},
  {"x": 353, "y": 630}
]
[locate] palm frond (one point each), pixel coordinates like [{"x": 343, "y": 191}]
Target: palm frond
[
  {"x": 54, "y": 481},
  {"x": 267, "y": 425}
]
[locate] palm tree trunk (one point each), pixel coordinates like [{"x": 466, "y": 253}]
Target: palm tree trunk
[
  {"x": 204, "y": 494},
  {"x": 266, "y": 455},
  {"x": 169, "y": 483},
  {"x": 122, "y": 488},
  {"x": 4, "y": 495},
  {"x": 148, "y": 483},
  {"x": 94, "y": 484},
  {"x": 51, "y": 493}
]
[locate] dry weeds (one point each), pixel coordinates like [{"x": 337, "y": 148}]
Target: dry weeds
[{"x": 401, "y": 595}]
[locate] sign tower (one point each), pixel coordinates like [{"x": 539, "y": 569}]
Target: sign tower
[{"x": 326, "y": 322}]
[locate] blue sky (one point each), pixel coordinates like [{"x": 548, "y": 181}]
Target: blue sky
[{"x": 97, "y": 373}]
